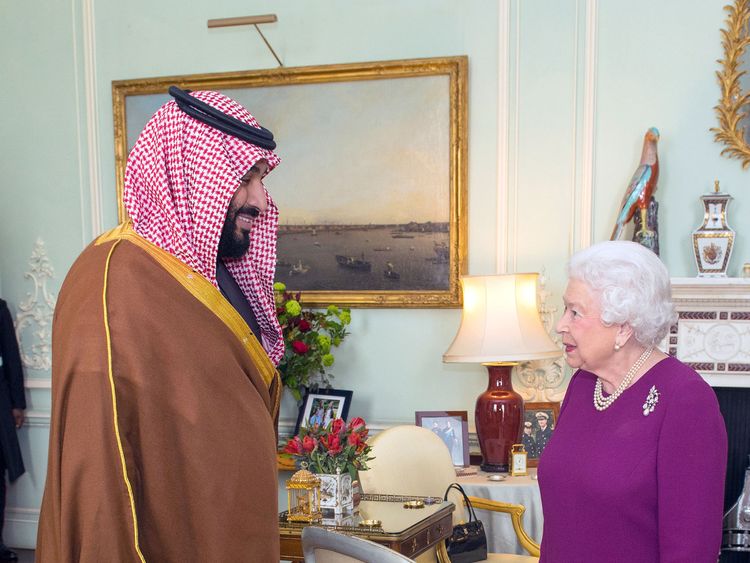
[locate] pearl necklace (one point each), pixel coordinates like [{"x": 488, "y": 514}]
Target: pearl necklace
[{"x": 600, "y": 402}]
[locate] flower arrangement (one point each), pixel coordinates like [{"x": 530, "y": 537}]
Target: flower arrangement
[
  {"x": 335, "y": 448},
  {"x": 308, "y": 338}
]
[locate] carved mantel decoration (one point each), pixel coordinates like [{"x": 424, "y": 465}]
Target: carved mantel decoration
[
  {"x": 712, "y": 334},
  {"x": 542, "y": 380},
  {"x": 35, "y": 312}
]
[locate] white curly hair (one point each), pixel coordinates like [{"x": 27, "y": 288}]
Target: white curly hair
[{"x": 632, "y": 284}]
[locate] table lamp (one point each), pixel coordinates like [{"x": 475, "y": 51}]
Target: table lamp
[{"x": 500, "y": 327}]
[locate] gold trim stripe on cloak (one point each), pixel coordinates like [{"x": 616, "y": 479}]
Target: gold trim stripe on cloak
[
  {"x": 128, "y": 486},
  {"x": 200, "y": 288}
]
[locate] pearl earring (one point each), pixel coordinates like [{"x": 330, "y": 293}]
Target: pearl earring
[{"x": 617, "y": 347}]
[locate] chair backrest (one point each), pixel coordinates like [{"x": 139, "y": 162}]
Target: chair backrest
[
  {"x": 320, "y": 545},
  {"x": 410, "y": 460}
]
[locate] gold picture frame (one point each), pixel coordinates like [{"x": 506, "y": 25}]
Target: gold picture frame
[
  {"x": 435, "y": 239},
  {"x": 535, "y": 442}
]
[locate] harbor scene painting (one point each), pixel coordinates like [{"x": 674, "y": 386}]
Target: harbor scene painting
[
  {"x": 411, "y": 256},
  {"x": 373, "y": 215},
  {"x": 371, "y": 188}
]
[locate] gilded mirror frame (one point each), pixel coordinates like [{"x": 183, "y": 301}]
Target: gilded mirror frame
[
  {"x": 734, "y": 104},
  {"x": 453, "y": 97}
]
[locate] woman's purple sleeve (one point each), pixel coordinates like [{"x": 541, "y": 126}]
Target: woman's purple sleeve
[{"x": 691, "y": 468}]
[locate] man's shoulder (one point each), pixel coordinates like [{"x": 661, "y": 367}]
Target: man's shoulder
[
  {"x": 108, "y": 257},
  {"x": 101, "y": 251}
]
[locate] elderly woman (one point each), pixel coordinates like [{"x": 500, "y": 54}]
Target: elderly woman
[{"x": 634, "y": 471}]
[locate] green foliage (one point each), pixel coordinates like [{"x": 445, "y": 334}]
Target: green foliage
[{"x": 309, "y": 336}]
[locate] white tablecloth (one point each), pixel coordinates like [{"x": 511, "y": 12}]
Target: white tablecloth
[{"x": 501, "y": 538}]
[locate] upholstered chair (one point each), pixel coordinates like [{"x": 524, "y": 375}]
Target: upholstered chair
[
  {"x": 320, "y": 545},
  {"x": 410, "y": 460}
]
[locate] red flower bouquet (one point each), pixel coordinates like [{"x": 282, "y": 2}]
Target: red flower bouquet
[{"x": 338, "y": 447}]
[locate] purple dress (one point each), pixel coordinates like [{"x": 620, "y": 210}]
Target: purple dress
[{"x": 618, "y": 486}]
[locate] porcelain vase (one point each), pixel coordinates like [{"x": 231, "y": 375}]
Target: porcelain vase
[
  {"x": 714, "y": 239},
  {"x": 336, "y": 493}
]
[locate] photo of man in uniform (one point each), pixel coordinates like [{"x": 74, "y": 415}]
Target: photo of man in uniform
[{"x": 543, "y": 433}]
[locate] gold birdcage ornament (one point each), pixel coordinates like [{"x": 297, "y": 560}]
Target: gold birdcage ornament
[{"x": 303, "y": 497}]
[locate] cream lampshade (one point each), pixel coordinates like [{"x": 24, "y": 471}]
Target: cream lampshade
[{"x": 500, "y": 326}]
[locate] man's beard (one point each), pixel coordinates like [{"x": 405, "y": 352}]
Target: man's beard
[{"x": 233, "y": 244}]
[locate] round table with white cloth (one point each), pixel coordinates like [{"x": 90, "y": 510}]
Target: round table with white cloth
[{"x": 501, "y": 538}]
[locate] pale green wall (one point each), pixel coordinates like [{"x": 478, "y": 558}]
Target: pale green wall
[{"x": 654, "y": 63}]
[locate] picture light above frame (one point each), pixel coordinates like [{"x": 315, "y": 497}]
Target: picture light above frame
[{"x": 372, "y": 188}]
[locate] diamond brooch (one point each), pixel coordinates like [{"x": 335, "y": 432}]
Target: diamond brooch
[{"x": 651, "y": 400}]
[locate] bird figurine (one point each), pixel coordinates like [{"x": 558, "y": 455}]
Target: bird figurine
[{"x": 642, "y": 185}]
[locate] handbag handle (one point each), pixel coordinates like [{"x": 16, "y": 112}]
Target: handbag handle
[{"x": 460, "y": 489}]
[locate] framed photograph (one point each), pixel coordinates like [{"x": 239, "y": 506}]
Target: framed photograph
[
  {"x": 372, "y": 185},
  {"x": 453, "y": 429},
  {"x": 539, "y": 421},
  {"x": 322, "y": 406}
]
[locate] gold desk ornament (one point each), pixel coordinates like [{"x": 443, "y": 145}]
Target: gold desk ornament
[
  {"x": 303, "y": 497},
  {"x": 414, "y": 504},
  {"x": 518, "y": 458},
  {"x": 714, "y": 239},
  {"x": 370, "y": 524}
]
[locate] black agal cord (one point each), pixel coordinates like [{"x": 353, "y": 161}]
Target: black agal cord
[{"x": 259, "y": 136}]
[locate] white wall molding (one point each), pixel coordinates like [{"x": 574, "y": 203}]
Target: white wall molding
[
  {"x": 21, "y": 525},
  {"x": 88, "y": 144},
  {"x": 35, "y": 312},
  {"x": 503, "y": 155},
  {"x": 508, "y": 116},
  {"x": 92, "y": 115},
  {"x": 586, "y": 207},
  {"x": 37, "y": 419},
  {"x": 37, "y": 383},
  {"x": 22, "y": 514},
  {"x": 575, "y": 130},
  {"x": 515, "y": 76}
]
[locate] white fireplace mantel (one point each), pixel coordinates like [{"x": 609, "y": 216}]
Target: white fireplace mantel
[{"x": 712, "y": 334}]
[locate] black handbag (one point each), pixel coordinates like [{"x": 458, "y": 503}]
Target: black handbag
[{"x": 468, "y": 542}]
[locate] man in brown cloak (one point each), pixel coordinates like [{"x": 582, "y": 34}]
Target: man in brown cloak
[{"x": 165, "y": 340}]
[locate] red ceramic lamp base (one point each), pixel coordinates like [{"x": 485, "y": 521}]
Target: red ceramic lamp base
[{"x": 498, "y": 417}]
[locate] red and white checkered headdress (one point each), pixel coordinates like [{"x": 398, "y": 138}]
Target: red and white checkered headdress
[{"x": 179, "y": 180}]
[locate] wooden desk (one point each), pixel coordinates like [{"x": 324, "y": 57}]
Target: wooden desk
[{"x": 410, "y": 531}]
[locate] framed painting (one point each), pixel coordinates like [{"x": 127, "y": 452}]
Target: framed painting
[
  {"x": 539, "y": 421},
  {"x": 453, "y": 428},
  {"x": 322, "y": 406},
  {"x": 372, "y": 185}
]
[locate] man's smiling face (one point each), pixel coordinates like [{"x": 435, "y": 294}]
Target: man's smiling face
[{"x": 248, "y": 202}]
